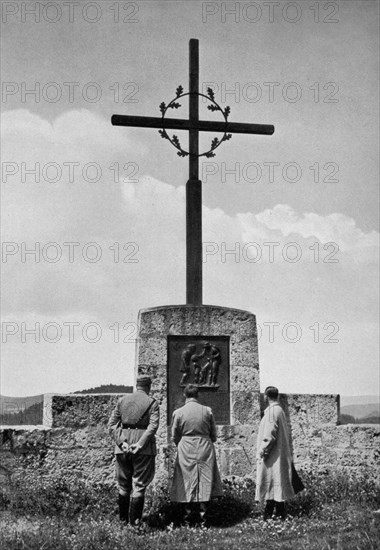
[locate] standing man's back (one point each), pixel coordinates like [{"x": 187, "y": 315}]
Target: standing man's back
[
  {"x": 196, "y": 477},
  {"x": 274, "y": 458},
  {"x": 133, "y": 425}
]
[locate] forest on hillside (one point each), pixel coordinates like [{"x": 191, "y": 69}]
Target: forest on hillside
[
  {"x": 30, "y": 416},
  {"x": 108, "y": 388},
  {"x": 33, "y": 414}
]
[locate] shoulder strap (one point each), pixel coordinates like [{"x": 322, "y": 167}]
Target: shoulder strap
[{"x": 146, "y": 410}]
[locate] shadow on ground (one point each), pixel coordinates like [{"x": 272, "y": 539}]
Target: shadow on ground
[{"x": 222, "y": 512}]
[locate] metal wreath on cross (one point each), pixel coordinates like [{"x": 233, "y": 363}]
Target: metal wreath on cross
[
  {"x": 194, "y": 185},
  {"x": 173, "y": 104}
]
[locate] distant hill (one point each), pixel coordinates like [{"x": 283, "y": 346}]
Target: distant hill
[
  {"x": 362, "y": 412},
  {"x": 21, "y": 416},
  {"x": 14, "y": 405},
  {"x": 358, "y": 399},
  {"x": 108, "y": 388}
]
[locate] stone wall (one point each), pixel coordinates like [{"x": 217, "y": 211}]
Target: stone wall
[
  {"x": 77, "y": 444},
  {"x": 74, "y": 444},
  {"x": 307, "y": 415}
]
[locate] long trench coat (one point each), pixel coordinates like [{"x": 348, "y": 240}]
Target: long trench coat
[
  {"x": 274, "y": 457},
  {"x": 196, "y": 476}
]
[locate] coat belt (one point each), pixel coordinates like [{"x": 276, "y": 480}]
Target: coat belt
[{"x": 197, "y": 436}]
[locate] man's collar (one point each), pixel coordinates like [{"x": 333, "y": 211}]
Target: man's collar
[{"x": 191, "y": 400}]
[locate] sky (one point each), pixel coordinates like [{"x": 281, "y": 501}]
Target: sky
[{"x": 290, "y": 221}]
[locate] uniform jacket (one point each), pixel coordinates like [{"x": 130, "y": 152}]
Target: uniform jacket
[
  {"x": 130, "y": 409},
  {"x": 196, "y": 476},
  {"x": 274, "y": 469}
]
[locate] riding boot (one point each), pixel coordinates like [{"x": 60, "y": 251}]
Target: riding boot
[
  {"x": 186, "y": 512},
  {"x": 202, "y": 512},
  {"x": 269, "y": 507},
  {"x": 280, "y": 510},
  {"x": 124, "y": 508},
  {"x": 135, "y": 514}
]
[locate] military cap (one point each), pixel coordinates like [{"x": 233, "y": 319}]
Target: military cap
[{"x": 143, "y": 381}]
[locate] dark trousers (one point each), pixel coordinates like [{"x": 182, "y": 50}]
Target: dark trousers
[
  {"x": 270, "y": 507},
  {"x": 134, "y": 473}
]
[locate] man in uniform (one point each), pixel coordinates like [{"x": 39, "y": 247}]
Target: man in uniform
[
  {"x": 274, "y": 458},
  {"x": 133, "y": 425}
]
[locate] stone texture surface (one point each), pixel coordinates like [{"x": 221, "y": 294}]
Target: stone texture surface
[
  {"x": 243, "y": 379},
  {"x": 73, "y": 450},
  {"x": 155, "y": 325},
  {"x": 76, "y": 410},
  {"x": 81, "y": 448},
  {"x": 245, "y": 407}
]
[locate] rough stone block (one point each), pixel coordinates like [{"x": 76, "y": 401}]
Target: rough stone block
[
  {"x": 335, "y": 437},
  {"x": 28, "y": 441},
  {"x": 152, "y": 351},
  {"x": 76, "y": 410},
  {"x": 245, "y": 407},
  {"x": 245, "y": 378},
  {"x": 241, "y": 462},
  {"x": 364, "y": 436},
  {"x": 244, "y": 353},
  {"x": 312, "y": 409}
]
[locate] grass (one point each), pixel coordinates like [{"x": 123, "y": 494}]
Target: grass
[{"x": 336, "y": 512}]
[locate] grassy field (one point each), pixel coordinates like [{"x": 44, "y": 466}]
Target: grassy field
[{"x": 335, "y": 512}]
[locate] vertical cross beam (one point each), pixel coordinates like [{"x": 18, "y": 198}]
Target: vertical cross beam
[
  {"x": 193, "y": 185},
  {"x": 194, "y": 190}
]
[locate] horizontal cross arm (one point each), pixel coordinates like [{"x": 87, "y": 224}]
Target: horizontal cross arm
[{"x": 202, "y": 125}]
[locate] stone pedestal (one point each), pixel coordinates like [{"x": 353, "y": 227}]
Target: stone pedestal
[{"x": 164, "y": 333}]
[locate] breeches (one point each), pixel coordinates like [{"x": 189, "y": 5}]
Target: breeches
[{"x": 134, "y": 473}]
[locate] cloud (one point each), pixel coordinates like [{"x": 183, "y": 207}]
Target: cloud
[
  {"x": 141, "y": 218},
  {"x": 331, "y": 228},
  {"x": 73, "y": 132},
  {"x": 138, "y": 225}
]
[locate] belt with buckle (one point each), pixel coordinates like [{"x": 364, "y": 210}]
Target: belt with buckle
[{"x": 134, "y": 427}]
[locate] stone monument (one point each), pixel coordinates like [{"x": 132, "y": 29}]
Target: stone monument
[
  {"x": 195, "y": 341},
  {"x": 210, "y": 346}
]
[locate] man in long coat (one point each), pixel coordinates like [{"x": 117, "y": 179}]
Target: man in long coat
[
  {"x": 274, "y": 458},
  {"x": 196, "y": 477},
  {"x": 133, "y": 425}
]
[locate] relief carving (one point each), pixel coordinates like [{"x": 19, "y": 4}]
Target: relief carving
[{"x": 201, "y": 369}]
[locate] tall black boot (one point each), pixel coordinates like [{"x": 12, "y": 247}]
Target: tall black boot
[
  {"x": 202, "y": 512},
  {"x": 187, "y": 509},
  {"x": 135, "y": 514},
  {"x": 269, "y": 507},
  {"x": 124, "y": 507},
  {"x": 280, "y": 510}
]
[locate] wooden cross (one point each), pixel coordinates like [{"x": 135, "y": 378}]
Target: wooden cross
[{"x": 193, "y": 185}]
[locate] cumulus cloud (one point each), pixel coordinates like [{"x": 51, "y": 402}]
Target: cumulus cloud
[
  {"x": 138, "y": 223},
  {"x": 333, "y": 227},
  {"x": 148, "y": 213}
]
